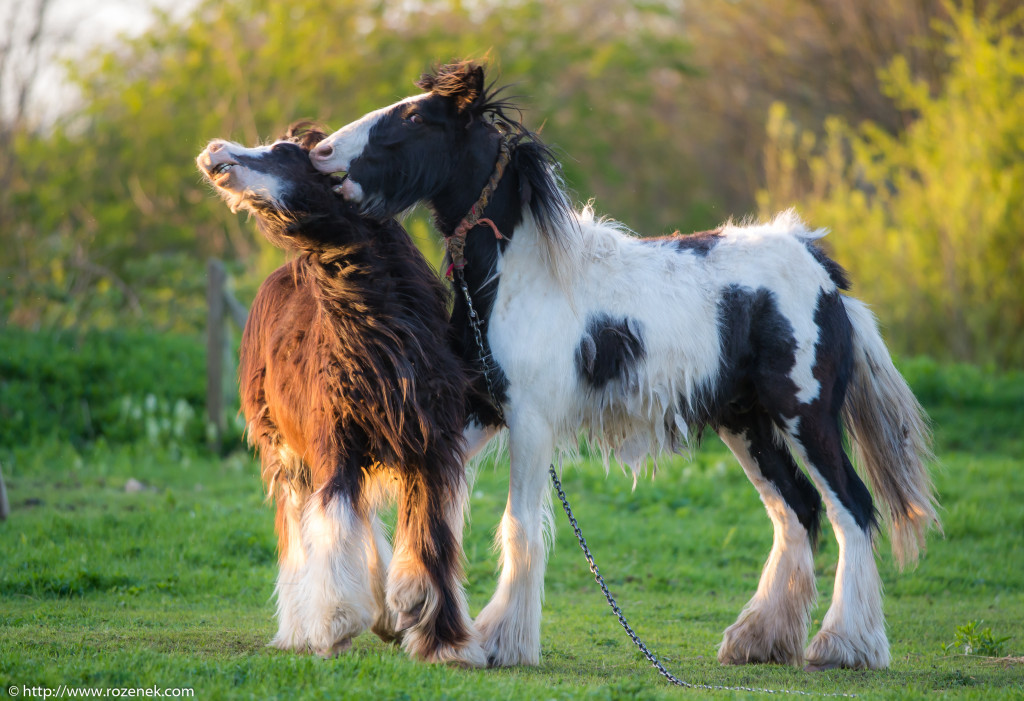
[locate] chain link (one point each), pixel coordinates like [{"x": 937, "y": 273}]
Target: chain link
[{"x": 632, "y": 634}]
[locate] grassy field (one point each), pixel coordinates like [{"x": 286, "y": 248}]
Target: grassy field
[{"x": 170, "y": 586}]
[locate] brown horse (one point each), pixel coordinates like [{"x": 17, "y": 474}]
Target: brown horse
[{"x": 352, "y": 394}]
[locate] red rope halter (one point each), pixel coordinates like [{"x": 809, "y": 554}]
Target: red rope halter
[{"x": 456, "y": 243}]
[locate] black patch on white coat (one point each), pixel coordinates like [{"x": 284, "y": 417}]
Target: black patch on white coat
[
  {"x": 758, "y": 355},
  {"x": 758, "y": 351},
  {"x": 835, "y": 271},
  {"x": 610, "y": 349},
  {"x": 700, "y": 243},
  {"x": 819, "y": 430},
  {"x": 753, "y": 391}
]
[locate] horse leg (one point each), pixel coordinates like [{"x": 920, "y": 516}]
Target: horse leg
[
  {"x": 424, "y": 587},
  {"x": 773, "y": 624},
  {"x": 335, "y": 588},
  {"x": 378, "y": 555},
  {"x": 286, "y": 479},
  {"x": 852, "y": 634},
  {"x": 282, "y": 468},
  {"x": 510, "y": 623},
  {"x": 377, "y": 490},
  {"x": 476, "y": 437}
]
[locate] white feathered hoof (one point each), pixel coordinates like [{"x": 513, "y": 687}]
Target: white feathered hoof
[
  {"x": 506, "y": 643},
  {"x": 830, "y": 650},
  {"x": 755, "y": 640}
]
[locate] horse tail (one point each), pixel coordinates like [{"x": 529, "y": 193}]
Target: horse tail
[{"x": 891, "y": 437}]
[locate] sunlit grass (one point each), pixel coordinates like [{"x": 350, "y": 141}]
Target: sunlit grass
[{"x": 170, "y": 586}]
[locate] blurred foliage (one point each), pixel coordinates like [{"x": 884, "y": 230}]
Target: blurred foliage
[
  {"x": 818, "y": 57},
  {"x": 929, "y": 220},
  {"x": 113, "y": 187},
  {"x": 101, "y": 386},
  {"x": 658, "y": 108}
]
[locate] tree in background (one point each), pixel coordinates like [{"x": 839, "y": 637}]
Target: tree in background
[
  {"x": 21, "y": 42},
  {"x": 116, "y": 220},
  {"x": 659, "y": 110},
  {"x": 929, "y": 220}
]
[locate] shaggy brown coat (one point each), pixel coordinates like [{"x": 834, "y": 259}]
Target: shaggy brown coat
[{"x": 346, "y": 362}]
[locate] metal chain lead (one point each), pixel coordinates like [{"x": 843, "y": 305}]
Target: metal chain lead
[
  {"x": 474, "y": 322},
  {"x": 632, "y": 634}
]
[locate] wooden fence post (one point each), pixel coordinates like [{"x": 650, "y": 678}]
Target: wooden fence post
[
  {"x": 221, "y": 305},
  {"x": 215, "y": 337},
  {"x": 5, "y": 506}
]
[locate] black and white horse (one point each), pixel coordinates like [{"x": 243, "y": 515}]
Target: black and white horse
[{"x": 642, "y": 343}]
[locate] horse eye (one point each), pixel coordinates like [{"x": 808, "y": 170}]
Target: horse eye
[{"x": 416, "y": 118}]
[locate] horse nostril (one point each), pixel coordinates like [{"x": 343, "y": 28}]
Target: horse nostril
[
  {"x": 214, "y": 147},
  {"x": 323, "y": 151}
]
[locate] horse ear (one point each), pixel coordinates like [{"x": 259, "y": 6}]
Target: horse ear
[{"x": 306, "y": 133}]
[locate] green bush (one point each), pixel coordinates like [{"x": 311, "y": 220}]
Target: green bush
[
  {"x": 929, "y": 220},
  {"x": 114, "y": 386}
]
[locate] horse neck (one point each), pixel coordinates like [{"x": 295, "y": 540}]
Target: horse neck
[
  {"x": 317, "y": 224},
  {"x": 379, "y": 270},
  {"x": 470, "y": 171}
]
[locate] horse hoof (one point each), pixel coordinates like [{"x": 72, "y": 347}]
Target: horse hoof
[
  {"x": 335, "y": 649},
  {"x": 407, "y": 619},
  {"x": 823, "y": 667}
]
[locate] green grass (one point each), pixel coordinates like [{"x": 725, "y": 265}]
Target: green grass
[
  {"x": 171, "y": 586},
  {"x": 115, "y": 386}
]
